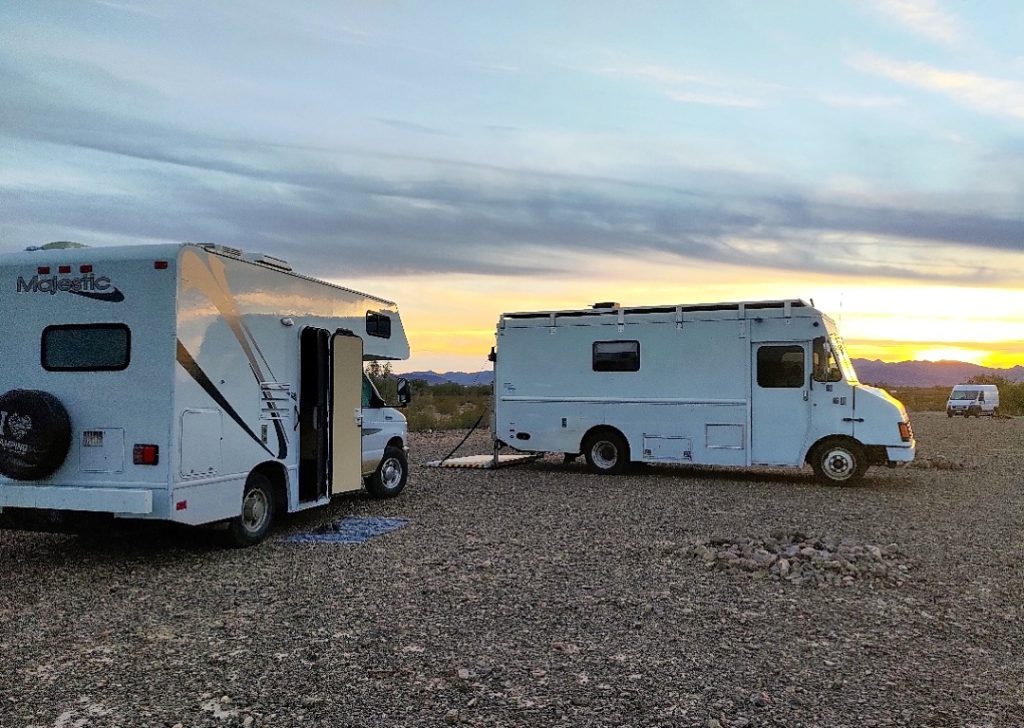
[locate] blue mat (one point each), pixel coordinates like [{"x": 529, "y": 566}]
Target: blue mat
[{"x": 351, "y": 529}]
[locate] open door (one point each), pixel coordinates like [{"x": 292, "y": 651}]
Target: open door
[
  {"x": 314, "y": 384},
  {"x": 346, "y": 430}
]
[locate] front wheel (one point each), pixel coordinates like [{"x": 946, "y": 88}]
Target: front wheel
[
  {"x": 839, "y": 462},
  {"x": 389, "y": 478},
  {"x": 258, "y": 513},
  {"x": 607, "y": 452}
]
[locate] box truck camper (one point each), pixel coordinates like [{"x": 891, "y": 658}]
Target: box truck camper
[
  {"x": 742, "y": 384},
  {"x": 188, "y": 383}
]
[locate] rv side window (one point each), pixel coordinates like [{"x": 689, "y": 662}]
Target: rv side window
[
  {"x": 616, "y": 356},
  {"x": 780, "y": 367},
  {"x": 378, "y": 324},
  {"x": 86, "y": 348}
]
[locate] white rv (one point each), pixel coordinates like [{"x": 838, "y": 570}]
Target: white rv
[
  {"x": 743, "y": 384},
  {"x": 973, "y": 399},
  {"x": 188, "y": 383}
]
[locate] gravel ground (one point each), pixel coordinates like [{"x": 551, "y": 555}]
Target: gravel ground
[{"x": 543, "y": 595}]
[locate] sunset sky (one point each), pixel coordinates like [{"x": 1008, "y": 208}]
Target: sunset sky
[{"x": 469, "y": 158}]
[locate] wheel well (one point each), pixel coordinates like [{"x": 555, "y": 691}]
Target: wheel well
[
  {"x": 277, "y": 475},
  {"x": 395, "y": 441},
  {"x": 598, "y": 429},
  {"x": 836, "y": 439}
]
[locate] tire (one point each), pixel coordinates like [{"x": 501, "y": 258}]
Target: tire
[
  {"x": 949, "y": 414},
  {"x": 607, "y": 452},
  {"x": 35, "y": 434},
  {"x": 839, "y": 462},
  {"x": 392, "y": 472},
  {"x": 258, "y": 513}
]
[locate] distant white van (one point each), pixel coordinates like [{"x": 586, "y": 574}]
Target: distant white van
[{"x": 973, "y": 400}]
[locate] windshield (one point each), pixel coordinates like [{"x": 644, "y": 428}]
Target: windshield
[{"x": 971, "y": 394}]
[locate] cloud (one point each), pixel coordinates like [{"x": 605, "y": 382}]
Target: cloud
[
  {"x": 994, "y": 96},
  {"x": 861, "y": 102},
  {"x": 712, "y": 100},
  {"x": 680, "y": 85},
  {"x": 343, "y": 212},
  {"x": 923, "y": 17}
]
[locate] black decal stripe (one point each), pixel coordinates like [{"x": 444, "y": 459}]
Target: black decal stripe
[
  {"x": 191, "y": 366},
  {"x": 114, "y": 296}
]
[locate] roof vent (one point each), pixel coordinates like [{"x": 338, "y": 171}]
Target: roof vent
[
  {"x": 607, "y": 304},
  {"x": 222, "y": 250}
]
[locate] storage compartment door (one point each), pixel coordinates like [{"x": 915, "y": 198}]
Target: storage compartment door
[{"x": 346, "y": 413}]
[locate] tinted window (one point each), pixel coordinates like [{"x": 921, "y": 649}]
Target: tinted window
[
  {"x": 86, "y": 347},
  {"x": 378, "y": 324},
  {"x": 616, "y": 356},
  {"x": 780, "y": 366}
]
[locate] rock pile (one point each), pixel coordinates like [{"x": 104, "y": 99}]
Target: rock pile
[
  {"x": 937, "y": 462},
  {"x": 797, "y": 558}
]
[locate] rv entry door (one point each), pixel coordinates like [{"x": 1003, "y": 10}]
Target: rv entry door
[
  {"x": 346, "y": 466},
  {"x": 780, "y": 410}
]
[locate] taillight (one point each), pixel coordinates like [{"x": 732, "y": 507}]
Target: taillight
[
  {"x": 146, "y": 454},
  {"x": 906, "y": 432}
]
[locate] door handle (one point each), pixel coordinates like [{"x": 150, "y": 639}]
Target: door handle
[
  {"x": 805, "y": 395},
  {"x": 853, "y": 419}
]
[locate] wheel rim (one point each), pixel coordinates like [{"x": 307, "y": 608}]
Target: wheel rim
[
  {"x": 838, "y": 464},
  {"x": 255, "y": 510},
  {"x": 604, "y": 454},
  {"x": 391, "y": 473}
]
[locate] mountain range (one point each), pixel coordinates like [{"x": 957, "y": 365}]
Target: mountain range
[{"x": 871, "y": 371}]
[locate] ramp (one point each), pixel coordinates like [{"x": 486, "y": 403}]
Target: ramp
[{"x": 484, "y": 462}]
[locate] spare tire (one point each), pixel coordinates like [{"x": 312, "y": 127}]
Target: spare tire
[{"x": 35, "y": 434}]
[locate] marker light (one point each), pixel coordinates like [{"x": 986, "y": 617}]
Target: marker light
[
  {"x": 160, "y": 264},
  {"x": 64, "y": 269},
  {"x": 906, "y": 432},
  {"x": 146, "y": 454},
  {"x": 43, "y": 270},
  {"x": 85, "y": 269}
]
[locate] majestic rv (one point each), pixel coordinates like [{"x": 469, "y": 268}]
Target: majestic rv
[
  {"x": 188, "y": 383},
  {"x": 743, "y": 384},
  {"x": 973, "y": 399}
]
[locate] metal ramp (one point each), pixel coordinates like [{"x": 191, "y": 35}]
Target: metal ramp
[{"x": 484, "y": 462}]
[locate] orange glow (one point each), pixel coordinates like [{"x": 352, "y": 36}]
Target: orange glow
[
  {"x": 450, "y": 319},
  {"x": 972, "y": 356}
]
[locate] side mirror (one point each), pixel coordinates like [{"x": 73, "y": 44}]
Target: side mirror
[{"x": 404, "y": 393}]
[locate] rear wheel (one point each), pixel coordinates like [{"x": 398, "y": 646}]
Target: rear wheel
[
  {"x": 258, "y": 513},
  {"x": 607, "y": 452},
  {"x": 839, "y": 462},
  {"x": 388, "y": 480}
]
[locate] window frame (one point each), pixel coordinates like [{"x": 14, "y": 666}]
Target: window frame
[
  {"x": 377, "y": 317},
  {"x": 803, "y": 366},
  {"x": 593, "y": 355},
  {"x": 79, "y": 327}
]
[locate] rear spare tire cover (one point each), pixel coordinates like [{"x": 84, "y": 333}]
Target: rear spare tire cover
[{"x": 35, "y": 434}]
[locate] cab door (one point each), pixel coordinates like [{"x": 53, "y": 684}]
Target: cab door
[
  {"x": 832, "y": 397},
  {"x": 779, "y": 406},
  {"x": 346, "y": 420}
]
